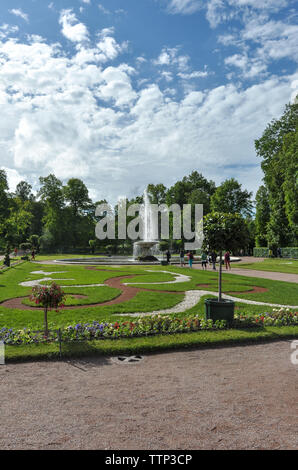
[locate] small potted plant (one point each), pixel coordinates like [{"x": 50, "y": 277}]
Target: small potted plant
[
  {"x": 48, "y": 297},
  {"x": 222, "y": 232}
]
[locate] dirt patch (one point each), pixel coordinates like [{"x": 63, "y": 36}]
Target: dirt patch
[
  {"x": 254, "y": 290},
  {"x": 242, "y": 397}
]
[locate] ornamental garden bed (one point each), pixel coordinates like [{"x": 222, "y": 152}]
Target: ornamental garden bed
[{"x": 149, "y": 326}]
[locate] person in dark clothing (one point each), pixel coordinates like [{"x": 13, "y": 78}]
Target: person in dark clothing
[
  {"x": 227, "y": 260},
  {"x": 168, "y": 255},
  {"x": 181, "y": 254},
  {"x": 213, "y": 259}
]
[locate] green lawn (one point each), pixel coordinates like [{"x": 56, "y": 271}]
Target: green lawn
[
  {"x": 281, "y": 265},
  {"x": 199, "y": 339},
  {"x": 144, "y": 301}
]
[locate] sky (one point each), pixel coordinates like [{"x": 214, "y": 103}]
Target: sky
[{"x": 123, "y": 93}]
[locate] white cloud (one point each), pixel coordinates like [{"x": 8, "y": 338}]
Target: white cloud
[
  {"x": 76, "y": 116},
  {"x": 109, "y": 48},
  {"x": 104, "y": 10},
  {"x": 7, "y": 30},
  {"x": 194, "y": 74},
  {"x": 260, "y": 5},
  {"x": 185, "y": 7},
  {"x": 250, "y": 67},
  {"x": 169, "y": 57},
  {"x": 13, "y": 178},
  {"x": 72, "y": 29},
  {"x": 20, "y": 13}
]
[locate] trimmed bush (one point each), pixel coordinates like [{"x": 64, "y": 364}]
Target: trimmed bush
[
  {"x": 261, "y": 252},
  {"x": 290, "y": 252},
  {"x": 287, "y": 252}
]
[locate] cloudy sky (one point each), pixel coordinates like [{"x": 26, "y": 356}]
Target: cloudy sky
[{"x": 122, "y": 93}]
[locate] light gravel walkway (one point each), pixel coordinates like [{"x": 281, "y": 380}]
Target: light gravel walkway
[
  {"x": 192, "y": 297},
  {"x": 241, "y": 397}
]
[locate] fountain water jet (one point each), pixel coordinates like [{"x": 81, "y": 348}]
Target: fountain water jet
[{"x": 146, "y": 249}]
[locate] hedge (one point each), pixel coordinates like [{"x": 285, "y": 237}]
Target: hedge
[{"x": 287, "y": 252}]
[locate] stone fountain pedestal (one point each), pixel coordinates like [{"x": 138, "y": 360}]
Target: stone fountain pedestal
[{"x": 145, "y": 250}]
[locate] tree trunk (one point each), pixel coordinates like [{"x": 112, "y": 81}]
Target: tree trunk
[{"x": 219, "y": 276}]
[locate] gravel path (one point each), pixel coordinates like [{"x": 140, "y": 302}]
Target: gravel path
[{"x": 222, "y": 398}]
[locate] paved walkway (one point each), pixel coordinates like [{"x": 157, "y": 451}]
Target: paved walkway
[{"x": 241, "y": 397}]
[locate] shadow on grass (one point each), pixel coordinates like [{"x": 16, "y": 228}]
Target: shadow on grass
[{"x": 156, "y": 344}]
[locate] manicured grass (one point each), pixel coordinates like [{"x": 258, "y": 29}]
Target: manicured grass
[
  {"x": 92, "y": 295},
  {"x": 144, "y": 301},
  {"x": 281, "y": 265},
  {"x": 159, "y": 343},
  {"x": 279, "y": 292}
]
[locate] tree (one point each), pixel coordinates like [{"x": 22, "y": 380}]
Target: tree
[
  {"x": 262, "y": 216},
  {"x": 51, "y": 193},
  {"x": 278, "y": 150},
  {"x": 224, "y": 232},
  {"x": 48, "y": 297},
  {"x": 23, "y": 191},
  {"x": 230, "y": 198},
  {"x": 76, "y": 194},
  {"x": 157, "y": 193},
  {"x": 4, "y": 211},
  {"x": 19, "y": 220}
]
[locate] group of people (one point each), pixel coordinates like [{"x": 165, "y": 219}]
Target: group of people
[
  {"x": 32, "y": 253},
  {"x": 205, "y": 258}
]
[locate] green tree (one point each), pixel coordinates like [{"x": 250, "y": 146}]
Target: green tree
[
  {"x": 224, "y": 232},
  {"x": 230, "y": 198},
  {"x": 157, "y": 193},
  {"x": 262, "y": 216},
  {"x": 4, "y": 211},
  {"x": 23, "y": 191},
  {"x": 278, "y": 150},
  {"x": 76, "y": 194},
  {"x": 51, "y": 194}
]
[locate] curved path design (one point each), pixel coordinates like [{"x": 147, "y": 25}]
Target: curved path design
[{"x": 191, "y": 297}]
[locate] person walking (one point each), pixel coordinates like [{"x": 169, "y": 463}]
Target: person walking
[
  {"x": 33, "y": 254},
  {"x": 168, "y": 255},
  {"x": 190, "y": 258},
  {"x": 181, "y": 254},
  {"x": 227, "y": 260},
  {"x": 204, "y": 260}
]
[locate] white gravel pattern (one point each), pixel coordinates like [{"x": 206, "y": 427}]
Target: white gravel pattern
[
  {"x": 177, "y": 278},
  {"x": 192, "y": 297}
]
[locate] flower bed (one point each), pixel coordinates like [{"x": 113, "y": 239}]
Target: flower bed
[
  {"x": 147, "y": 326},
  {"x": 279, "y": 317}
]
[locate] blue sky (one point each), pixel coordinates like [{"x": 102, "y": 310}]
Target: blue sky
[{"x": 126, "y": 93}]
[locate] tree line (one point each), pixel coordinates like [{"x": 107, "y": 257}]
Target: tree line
[{"x": 61, "y": 217}]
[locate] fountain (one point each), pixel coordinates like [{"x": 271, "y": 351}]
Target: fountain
[{"x": 146, "y": 249}]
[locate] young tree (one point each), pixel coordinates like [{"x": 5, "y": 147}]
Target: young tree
[{"x": 224, "y": 232}]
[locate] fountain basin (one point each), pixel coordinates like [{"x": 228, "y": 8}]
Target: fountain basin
[{"x": 145, "y": 250}]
